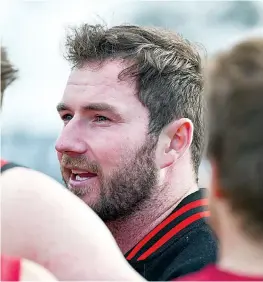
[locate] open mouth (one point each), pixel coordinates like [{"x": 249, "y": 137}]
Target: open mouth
[{"x": 80, "y": 178}]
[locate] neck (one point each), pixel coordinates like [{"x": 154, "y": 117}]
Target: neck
[
  {"x": 239, "y": 253},
  {"x": 130, "y": 230}
]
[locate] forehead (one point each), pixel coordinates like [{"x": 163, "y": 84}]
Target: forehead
[{"x": 91, "y": 84}]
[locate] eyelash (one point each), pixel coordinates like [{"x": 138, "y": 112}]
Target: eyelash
[
  {"x": 64, "y": 117},
  {"x": 98, "y": 116}
]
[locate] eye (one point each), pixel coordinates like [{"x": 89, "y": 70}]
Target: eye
[
  {"x": 101, "y": 118},
  {"x": 66, "y": 117}
]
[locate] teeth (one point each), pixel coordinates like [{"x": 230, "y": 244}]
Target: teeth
[
  {"x": 77, "y": 171},
  {"x": 79, "y": 178}
]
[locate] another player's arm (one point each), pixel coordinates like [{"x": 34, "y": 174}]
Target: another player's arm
[{"x": 43, "y": 222}]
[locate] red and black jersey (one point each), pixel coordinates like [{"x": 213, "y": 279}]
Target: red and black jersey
[
  {"x": 5, "y": 165},
  {"x": 182, "y": 243}
]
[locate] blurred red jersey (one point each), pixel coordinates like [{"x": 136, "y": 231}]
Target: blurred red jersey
[{"x": 212, "y": 273}]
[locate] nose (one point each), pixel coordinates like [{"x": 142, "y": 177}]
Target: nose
[{"x": 71, "y": 141}]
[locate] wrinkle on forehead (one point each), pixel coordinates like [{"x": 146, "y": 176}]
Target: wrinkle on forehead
[
  {"x": 102, "y": 82},
  {"x": 92, "y": 74}
]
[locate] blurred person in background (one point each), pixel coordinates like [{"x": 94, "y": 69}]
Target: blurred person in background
[
  {"x": 15, "y": 268},
  {"x": 235, "y": 150},
  {"x": 132, "y": 143},
  {"x": 8, "y": 72},
  {"x": 8, "y": 76}
]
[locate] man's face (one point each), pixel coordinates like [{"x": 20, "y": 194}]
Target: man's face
[{"x": 106, "y": 156}]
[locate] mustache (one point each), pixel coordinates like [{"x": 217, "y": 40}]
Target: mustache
[{"x": 80, "y": 162}]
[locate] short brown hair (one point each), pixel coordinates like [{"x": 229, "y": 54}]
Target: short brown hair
[
  {"x": 235, "y": 103},
  {"x": 8, "y": 72},
  {"x": 166, "y": 68}
]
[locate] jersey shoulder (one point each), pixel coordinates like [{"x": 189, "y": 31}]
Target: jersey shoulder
[
  {"x": 196, "y": 249},
  {"x": 185, "y": 254}
]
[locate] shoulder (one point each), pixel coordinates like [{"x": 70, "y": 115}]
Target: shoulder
[{"x": 21, "y": 176}]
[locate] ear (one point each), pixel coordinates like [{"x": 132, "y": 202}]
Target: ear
[{"x": 178, "y": 136}]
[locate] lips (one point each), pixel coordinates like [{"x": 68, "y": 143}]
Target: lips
[{"x": 81, "y": 176}]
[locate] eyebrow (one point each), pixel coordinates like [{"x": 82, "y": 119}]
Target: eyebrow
[
  {"x": 97, "y": 107},
  {"x": 62, "y": 107}
]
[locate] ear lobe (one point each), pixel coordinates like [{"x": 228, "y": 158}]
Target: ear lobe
[
  {"x": 182, "y": 135},
  {"x": 168, "y": 159}
]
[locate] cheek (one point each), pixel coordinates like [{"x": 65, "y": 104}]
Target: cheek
[
  {"x": 111, "y": 146},
  {"x": 112, "y": 152}
]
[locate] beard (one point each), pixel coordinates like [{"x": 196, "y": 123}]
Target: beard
[{"x": 129, "y": 185}]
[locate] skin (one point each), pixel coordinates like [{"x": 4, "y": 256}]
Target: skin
[
  {"x": 98, "y": 140},
  {"x": 102, "y": 141},
  {"x": 48, "y": 225},
  {"x": 31, "y": 271}
]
